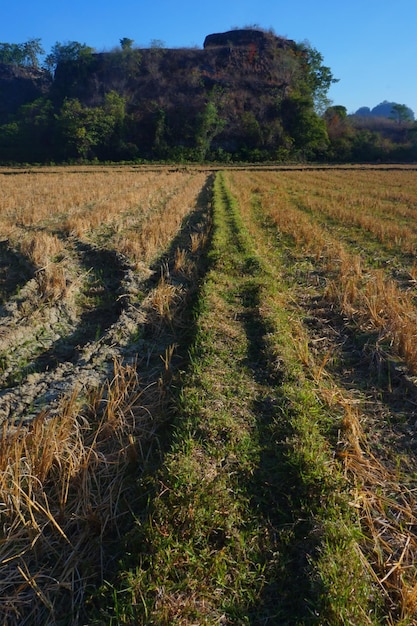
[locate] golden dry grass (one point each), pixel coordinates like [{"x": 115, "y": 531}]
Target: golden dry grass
[
  {"x": 387, "y": 510},
  {"x": 63, "y": 481},
  {"x": 136, "y": 212},
  {"x": 62, "y": 478},
  {"x": 62, "y": 487},
  {"x": 368, "y": 296},
  {"x": 381, "y": 203},
  {"x": 381, "y": 496}
]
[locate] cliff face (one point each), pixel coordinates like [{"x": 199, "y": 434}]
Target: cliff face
[
  {"x": 229, "y": 96},
  {"x": 244, "y": 74},
  {"x": 247, "y": 37},
  {"x": 21, "y": 85},
  {"x": 243, "y": 59}
]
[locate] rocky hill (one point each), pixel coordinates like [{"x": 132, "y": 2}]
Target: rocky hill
[
  {"x": 388, "y": 110},
  {"x": 243, "y": 73},
  {"x": 242, "y": 57},
  {"x": 246, "y": 91},
  {"x": 21, "y": 85}
]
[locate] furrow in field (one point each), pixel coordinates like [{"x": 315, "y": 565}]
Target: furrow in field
[
  {"x": 15, "y": 271},
  {"x": 357, "y": 213},
  {"x": 377, "y": 437},
  {"x": 83, "y": 367},
  {"x": 235, "y": 524},
  {"x": 313, "y": 275},
  {"x": 369, "y": 297},
  {"x": 57, "y": 330},
  {"x": 390, "y": 249},
  {"x": 74, "y": 486},
  {"x": 73, "y": 299},
  {"x": 121, "y": 306}
]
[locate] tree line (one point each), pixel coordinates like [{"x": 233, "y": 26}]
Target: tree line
[{"x": 204, "y": 117}]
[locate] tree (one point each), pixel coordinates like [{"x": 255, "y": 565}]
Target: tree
[
  {"x": 251, "y": 129},
  {"x": 75, "y": 125},
  {"x": 30, "y": 136},
  {"x": 338, "y": 110},
  {"x": 160, "y": 144},
  {"x": 70, "y": 51},
  {"x": 209, "y": 124},
  {"x": 306, "y": 129},
  {"x": 32, "y": 49},
  {"x": 401, "y": 113},
  {"x": 126, "y": 43},
  {"x": 10, "y": 53},
  {"x": 318, "y": 77},
  {"x": 90, "y": 132},
  {"x": 336, "y": 120},
  {"x": 110, "y": 123},
  {"x": 157, "y": 43},
  {"x": 21, "y": 54}
]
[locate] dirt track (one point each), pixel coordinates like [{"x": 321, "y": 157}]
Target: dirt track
[{"x": 51, "y": 346}]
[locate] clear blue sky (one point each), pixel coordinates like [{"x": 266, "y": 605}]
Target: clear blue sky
[{"x": 370, "y": 45}]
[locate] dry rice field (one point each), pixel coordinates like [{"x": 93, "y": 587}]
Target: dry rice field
[{"x": 99, "y": 269}]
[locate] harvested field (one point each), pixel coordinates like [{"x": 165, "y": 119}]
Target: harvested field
[
  {"x": 208, "y": 395},
  {"x": 88, "y": 331}
]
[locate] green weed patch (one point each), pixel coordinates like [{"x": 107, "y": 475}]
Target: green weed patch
[{"x": 247, "y": 521}]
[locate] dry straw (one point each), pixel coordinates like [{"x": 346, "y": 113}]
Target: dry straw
[
  {"x": 371, "y": 299},
  {"x": 63, "y": 489},
  {"x": 387, "y": 510}
]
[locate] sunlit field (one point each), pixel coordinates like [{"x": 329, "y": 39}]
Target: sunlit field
[{"x": 208, "y": 395}]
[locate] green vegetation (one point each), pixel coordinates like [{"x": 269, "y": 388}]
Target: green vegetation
[
  {"x": 366, "y": 137},
  {"x": 248, "y": 96},
  {"x": 21, "y": 54},
  {"x": 71, "y": 51},
  {"x": 247, "y": 519},
  {"x": 235, "y": 352}
]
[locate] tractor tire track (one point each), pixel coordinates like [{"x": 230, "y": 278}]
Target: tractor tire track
[
  {"x": 126, "y": 326},
  {"x": 54, "y": 332},
  {"x": 15, "y": 271}
]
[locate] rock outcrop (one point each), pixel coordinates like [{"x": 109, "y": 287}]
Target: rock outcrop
[
  {"x": 20, "y": 85},
  {"x": 229, "y": 96},
  {"x": 246, "y": 37}
]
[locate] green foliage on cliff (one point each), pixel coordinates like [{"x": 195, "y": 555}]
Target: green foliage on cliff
[
  {"x": 63, "y": 52},
  {"x": 248, "y": 95},
  {"x": 21, "y": 54}
]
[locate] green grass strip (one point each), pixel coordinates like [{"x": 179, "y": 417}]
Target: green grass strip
[
  {"x": 243, "y": 525},
  {"x": 349, "y": 596}
]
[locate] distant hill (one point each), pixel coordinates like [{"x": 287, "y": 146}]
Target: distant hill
[{"x": 385, "y": 109}]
